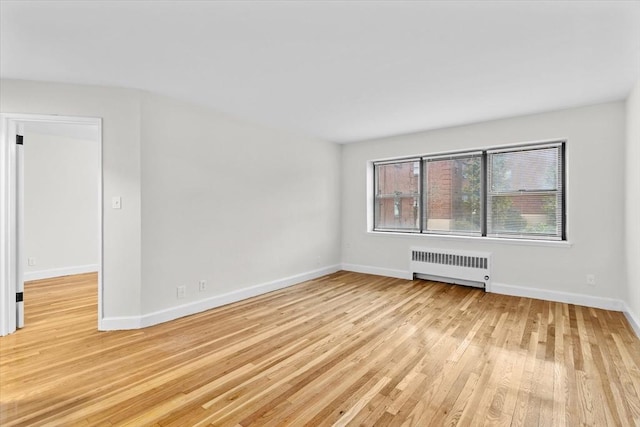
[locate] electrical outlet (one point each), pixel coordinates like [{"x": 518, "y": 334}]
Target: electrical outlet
[
  {"x": 31, "y": 261},
  {"x": 182, "y": 291},
  {"x": 591, "y": 279},
  {"x": 202, "y": 285}
]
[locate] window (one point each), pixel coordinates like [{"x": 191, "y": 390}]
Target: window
[
  {"x": 515, "y": 192},
  {"x": 453, "y": 193},
  {"x": 525, "y": 192},
  {"x": 397, "y": 195}
]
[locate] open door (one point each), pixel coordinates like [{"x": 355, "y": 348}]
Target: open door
[{"x": 20, "y": 231}]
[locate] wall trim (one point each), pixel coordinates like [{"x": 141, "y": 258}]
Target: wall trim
[
  {"x": 558, "y": 296},
  {"x": 398, "y": 274},
  {"x": 519, "y": 291},
  {"x": 161, "y": 316},
  {"x": 632, "y": 319},
  {"x": 59, "y": 272},
  {"x": 172, "y": 313},
  {"x": 119, "y": 323}
]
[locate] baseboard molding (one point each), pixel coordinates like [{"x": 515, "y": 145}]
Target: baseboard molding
[
  {"x": 59, "y": 272},
  {"x": 518, "y": 291},
  {"x": 119, "y": 323},
  {"x": 632, "y": 319},
  {"x": 557, "y": 296},
  {"x": 398, "y": 274},
  {"x": 161, "y": 316},
  {"x": 150, "y": 319}
]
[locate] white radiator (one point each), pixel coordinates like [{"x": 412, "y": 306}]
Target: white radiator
[{"x": 459, "y": 267}]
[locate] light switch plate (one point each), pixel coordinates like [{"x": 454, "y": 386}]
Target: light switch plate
[{"x": 116, "y": 202}]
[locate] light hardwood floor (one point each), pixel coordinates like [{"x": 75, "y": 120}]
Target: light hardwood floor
[{"x": 346, "y": 349}]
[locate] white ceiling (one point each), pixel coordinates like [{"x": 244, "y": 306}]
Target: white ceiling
[{"x": 338, "y": 70}]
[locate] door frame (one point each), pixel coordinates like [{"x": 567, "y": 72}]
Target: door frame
[{"x": 10, "y": 245}]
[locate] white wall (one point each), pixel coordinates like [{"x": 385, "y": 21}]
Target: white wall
[
  {"x": 120, "y": 111},
  {"x": 595, "y": 196},
  {"x": 233, "y": 203},
  {"x": 204, "y": 196},
  {"x": 632, "y": 197},
  {"x": 61, "y": 208},
  {"x": 247, "y": 208}
]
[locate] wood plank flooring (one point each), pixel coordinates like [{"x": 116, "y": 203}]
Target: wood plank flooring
[{"x": 345, "y": 349}]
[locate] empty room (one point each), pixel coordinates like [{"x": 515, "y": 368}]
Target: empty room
[{"x": 318, "y": 213}]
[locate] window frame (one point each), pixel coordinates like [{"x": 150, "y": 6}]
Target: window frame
[
  {"x": 425, "y": 197},
  {"x": 484, "y": 154},
  {"x": 375, "y": 195}
]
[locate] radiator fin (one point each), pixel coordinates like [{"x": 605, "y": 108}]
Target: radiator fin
[{"x": 450, "y": 259}]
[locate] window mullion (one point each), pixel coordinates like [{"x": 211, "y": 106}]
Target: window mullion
[
  {"x": 422, "y": 196},
  {"x": 483, "y": 195}
]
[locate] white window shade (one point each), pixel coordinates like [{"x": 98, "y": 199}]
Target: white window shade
[{"x": 525, "y": 193}]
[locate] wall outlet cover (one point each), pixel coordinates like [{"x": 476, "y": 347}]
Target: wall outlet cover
[{"x": 182, "y": 291}]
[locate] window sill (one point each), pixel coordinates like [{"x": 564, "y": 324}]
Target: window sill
[{"x": 500, "y": 240}]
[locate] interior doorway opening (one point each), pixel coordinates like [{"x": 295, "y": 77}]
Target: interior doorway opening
[{"x": 51, "y": 205}]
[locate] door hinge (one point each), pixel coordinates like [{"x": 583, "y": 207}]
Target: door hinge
[
  {"x": 19, "y": 296},
  {"x": 19, "y": 139}
]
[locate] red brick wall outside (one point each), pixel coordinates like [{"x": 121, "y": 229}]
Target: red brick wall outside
[
  {"x": 397, "y": 183},
  {"x": 440, "y": 181}
]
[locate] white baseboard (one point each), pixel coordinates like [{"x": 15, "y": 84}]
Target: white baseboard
[
  {"x": 59, "y": 272},
  {"x": 119, "y": 323},
  {"x": 633, "y": 320},
  {"x": 398, "y": 274},
  {"x": 558, "y": 296},
  {"x": 150, "y": 319},
  {"x": 519, "y": 291}
]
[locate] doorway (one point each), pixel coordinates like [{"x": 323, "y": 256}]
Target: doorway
[{"x": 48, "y": 246}]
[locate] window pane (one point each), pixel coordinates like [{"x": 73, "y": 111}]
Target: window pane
[
  {"x": 525, "y": 193},
  {"x": 525, "y": 214},
  {"x": 397, "y": 195},
  {"x": 524, "y": 170},
  {"x": 453, "y": 191}
]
